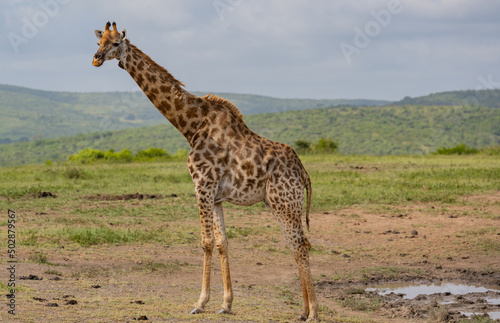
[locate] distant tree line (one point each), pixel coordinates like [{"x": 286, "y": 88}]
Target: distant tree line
[
  {"x": 463, "y": 149},
  {"x": 152, "y": 154},
  {"x": 91, "y": 156},
  {"x": 322, "y": 146},
  {"x": 8, "y": 140}
]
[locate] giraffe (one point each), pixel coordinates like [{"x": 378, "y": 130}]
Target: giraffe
[{"x": 227, "y": 162}]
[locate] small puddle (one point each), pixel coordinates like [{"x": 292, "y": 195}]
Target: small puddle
[
  {"x": 410, "y": 292},
  {"x": 468, "y": 300},
  {"x": 495, "y": 301}
]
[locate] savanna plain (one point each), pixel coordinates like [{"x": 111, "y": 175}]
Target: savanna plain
[{"x": 121, "y": 242}]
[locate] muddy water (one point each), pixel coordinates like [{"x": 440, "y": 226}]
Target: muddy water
[
  {"x": 411, "y": 292},
  {"x": 460, "y": 299}
]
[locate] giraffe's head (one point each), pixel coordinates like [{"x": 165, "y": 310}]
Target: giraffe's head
[{"x": 110, "y": 42}]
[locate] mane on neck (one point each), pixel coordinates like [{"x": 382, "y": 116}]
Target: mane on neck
[{"x": 233, "y": 108}]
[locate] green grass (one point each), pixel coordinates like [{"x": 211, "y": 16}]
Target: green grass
[
  {"x": 477, "y": 232},
  {"x": 338, "y": 182},
  {"x": 485, "y": 240},
  {"x": 89, "y": 236},
  {"x": 169, "y": 267},
  {"x": 477, "y": 319},
  {"x": 399, "y": 180},
  {"x": 94, "y": 236},
  {"x": 361, "y": 303},
  {"x": 53, "y": 272},
  {"x": 90, "y": 229},
  {"x": 389, "y": 272},
  {"x": 490, "y": 246},
  {"x": 39, "y": 258}
]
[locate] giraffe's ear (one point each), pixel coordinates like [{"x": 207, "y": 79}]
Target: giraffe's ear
[
  {"x": 123, "y": 35},
  {"x": 98, "y": 34}
]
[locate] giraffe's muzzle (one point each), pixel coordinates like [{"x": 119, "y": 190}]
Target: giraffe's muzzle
[{"x": 98, "y": 59}]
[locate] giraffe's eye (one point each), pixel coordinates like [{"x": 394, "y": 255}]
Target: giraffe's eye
[{"x": 116, "y": 44}]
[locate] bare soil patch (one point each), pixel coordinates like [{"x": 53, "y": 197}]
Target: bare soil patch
[{"x": 353, "y": 249}]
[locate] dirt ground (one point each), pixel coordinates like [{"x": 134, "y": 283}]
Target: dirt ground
[{"x": 353, "y": 249}]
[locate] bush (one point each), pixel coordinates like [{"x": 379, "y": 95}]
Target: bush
[
  {"x": 123, "y": 156},
  {"x": 302, "y": 146},
  {"x": 181, "y": 154},
  {"x": 325, "y": 145},
  {"x": 90, "y": 156},
  {"x": 151, "y": 154},
  {"x": 461, "y": 149},
  {"x": 87, "y": 156}
]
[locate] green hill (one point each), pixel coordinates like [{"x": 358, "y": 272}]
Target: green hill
[
  {"x": 483, "y": 98},
  {"x": 29, "y": 114},
  {"x": 359, "y": 130}
]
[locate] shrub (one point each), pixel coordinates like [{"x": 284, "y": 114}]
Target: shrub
[
  {"x": 181, "y": 154},
  {"x": 302, "y": 146},
  {"x": 325, "y": 145},
  {"x": 461, "y": 149},
  {"x": 87, "y": 156},
  {"x": 90, "y": 156},
  {"x": 151, "y": 154},
  {"x": 123, "y": 156}
]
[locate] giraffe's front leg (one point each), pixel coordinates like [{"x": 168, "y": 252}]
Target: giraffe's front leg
[
  {"x": 222, "y": 246},
  {"x": 207, "y": 242}
]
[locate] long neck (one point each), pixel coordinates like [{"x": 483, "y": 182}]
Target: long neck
[{"x": 166, "y": 93}]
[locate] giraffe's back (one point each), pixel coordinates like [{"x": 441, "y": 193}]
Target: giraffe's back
[{"x": 239, "y": 162}]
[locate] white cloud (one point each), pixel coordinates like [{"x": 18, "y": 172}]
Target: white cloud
[{"x": 287, "y": 48}]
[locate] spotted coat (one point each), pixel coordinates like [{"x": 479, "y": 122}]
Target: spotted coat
[{"x": 228, "y": 163}]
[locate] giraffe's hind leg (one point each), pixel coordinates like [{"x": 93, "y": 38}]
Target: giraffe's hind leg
[{"x": 287, "y": 207}]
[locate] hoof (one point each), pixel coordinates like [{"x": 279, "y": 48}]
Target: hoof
[
  {"x": 304, "y": 318},
  {"x": 196, "y": 311},
  {"x": 223, "y": 311}
]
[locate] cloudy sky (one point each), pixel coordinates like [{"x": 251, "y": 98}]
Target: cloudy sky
[{"x": 374, "y": 49}]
